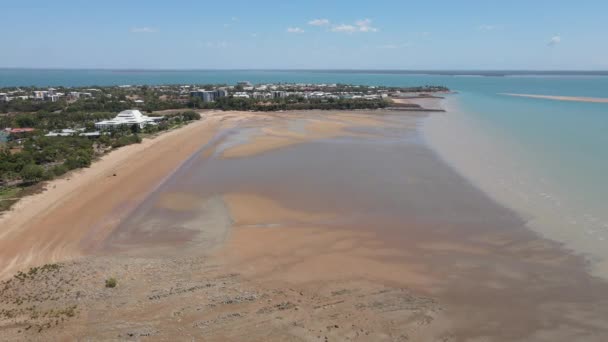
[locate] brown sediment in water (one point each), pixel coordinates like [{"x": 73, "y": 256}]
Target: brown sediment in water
[{"x": 254, "y": 210}]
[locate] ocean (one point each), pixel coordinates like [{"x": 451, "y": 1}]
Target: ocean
[{"x": 545, "y": 159}]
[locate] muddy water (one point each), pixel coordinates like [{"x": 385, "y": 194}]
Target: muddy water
[{"x": 497, "y": 280}]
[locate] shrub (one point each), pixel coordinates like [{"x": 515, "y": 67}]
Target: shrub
[
  {"x": 59, "y": 170},
  {"x": 127, "y": 140},
  {"x": 191, "y": 115},
  {"x": 111, "y": 282}
]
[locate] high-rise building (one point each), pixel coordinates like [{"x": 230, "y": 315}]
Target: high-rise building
[
  {"x": 205, "y": 95},
  {"x": 221, "y": 92}
]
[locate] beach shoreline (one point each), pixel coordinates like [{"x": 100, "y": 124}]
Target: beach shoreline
[{"x": 113, "y": 185}]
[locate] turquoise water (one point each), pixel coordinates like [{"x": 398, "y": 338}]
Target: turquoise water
[{"x": 548, "y": 159}]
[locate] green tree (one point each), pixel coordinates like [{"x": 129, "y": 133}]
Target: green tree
[{"x": 32, "y": 173}]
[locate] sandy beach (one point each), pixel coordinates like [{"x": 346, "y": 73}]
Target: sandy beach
[
  {"x": 75, "y": 212},
  {"x": 562, "y": 98},
  {"x": 294, "y": 226}
]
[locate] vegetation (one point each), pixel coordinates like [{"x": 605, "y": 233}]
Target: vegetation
[
  {"x": 289, "y": 103},
  {"x": 111, "y": 282},
  {"x": 33, "y": 157}
]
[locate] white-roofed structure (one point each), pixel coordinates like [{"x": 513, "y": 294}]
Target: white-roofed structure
[{"x": 127, "y": 118}]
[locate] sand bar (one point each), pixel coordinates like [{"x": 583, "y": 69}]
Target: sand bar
[{"x": 562, "y": 98}]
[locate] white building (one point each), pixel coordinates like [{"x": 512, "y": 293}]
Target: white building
[
  {"x": 279, "y": 94},
  {"x": 40, "y": 94},
  {"x": 71, "y": 132},
  {"x": 128, "y": 118},
  {"x": 261, "y": 96},
  {"x": 242, "y": 95}
]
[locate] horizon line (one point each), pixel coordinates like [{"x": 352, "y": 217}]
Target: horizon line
[{"x": 313, "y": 69}]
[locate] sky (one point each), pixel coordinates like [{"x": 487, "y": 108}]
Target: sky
[{"x": 311, "y": 34}]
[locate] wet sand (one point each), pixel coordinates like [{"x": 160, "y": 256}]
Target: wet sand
[
  {"x": 350, "y": 228},
  {"x": 562, "y": 98}
]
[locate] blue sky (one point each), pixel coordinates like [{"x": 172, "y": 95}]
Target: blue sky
[{"x": 532, "y": 34}]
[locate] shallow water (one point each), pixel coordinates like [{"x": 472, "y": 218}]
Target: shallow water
[{"x": 482, "y": 261}]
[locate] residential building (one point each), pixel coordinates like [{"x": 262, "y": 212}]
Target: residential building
[
  {"x": 262, "y": 96},
  {"x": 221, "y": 92},
  {"x": 40, "y": 94},
  {"x": 242, "y": 95},
  {"x": 3, "y": 97},
  {"x": 19, "y": 130},
  {"x": 205, "y": 95},
  {"x": 70, "y": 132},
  {"x": 277, "y": 94},
  {"x": 15, "y": 134}
]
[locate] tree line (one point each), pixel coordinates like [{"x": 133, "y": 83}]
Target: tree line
[
  {"x": 289, "y": 103},
  {"x": 36, "y": 157}
]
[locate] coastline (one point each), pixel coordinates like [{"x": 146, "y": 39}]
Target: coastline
[{"x": 45, "y": 224}]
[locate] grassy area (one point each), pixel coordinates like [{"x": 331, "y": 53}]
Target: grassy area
[{"x": 8, "y": 196}]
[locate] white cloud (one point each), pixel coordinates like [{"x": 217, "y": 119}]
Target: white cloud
[
  {"x": 487, "y": 27},
  {"x": 364, "y": 25},
  {"x": 555, "y": 40},
  {"x": 295, "y": 30},
  {"x": 344, "y": 28},
  {"x": 319, "y": 22},
  {"x": 143, "y": 30}
]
